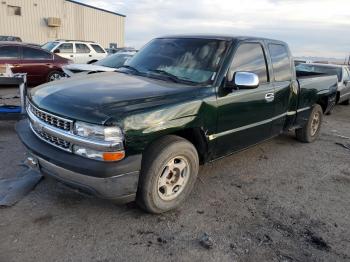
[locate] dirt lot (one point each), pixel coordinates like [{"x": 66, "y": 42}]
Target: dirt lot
[{"x": 279, "y": 201}]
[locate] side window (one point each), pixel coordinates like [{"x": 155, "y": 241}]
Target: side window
[
  {"x": 9, "y": 52},
  {"x": 82, "y": 49},
  {"x": 65, "y": 48},
  {"x": 249, "y": 58},
  {"x": 33, "y": 53},
  {"x": 280, "y": 62},
  {"x": 98, "y": 49}
]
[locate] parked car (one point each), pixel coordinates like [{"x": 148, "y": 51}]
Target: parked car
[
  {"x": 141, "y": 132},
  {"x": 81, "y": 52},
  {"x": 10, "y": 38},
  {"x": 41, "y": 66},
  {"x": 110, "y": 63},
  {"x": 341, "y": 71}
]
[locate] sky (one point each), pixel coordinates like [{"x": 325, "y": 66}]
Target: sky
[{"x": 311, "y": 27}]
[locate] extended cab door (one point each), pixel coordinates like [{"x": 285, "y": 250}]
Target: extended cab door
[
  {"x": 345, "y": 93},
  {"x": 286, "y": 87},
  {"x": 245, "y": 116}
]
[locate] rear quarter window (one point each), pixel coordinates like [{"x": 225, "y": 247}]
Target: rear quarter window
[
  {"x": 98, "y": 49},
  {"x": 280, "y": 62}
]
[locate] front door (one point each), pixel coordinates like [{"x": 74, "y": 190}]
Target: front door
[
  {"x": 245, "y": 116},
  {"x": 65, "y": 50}
]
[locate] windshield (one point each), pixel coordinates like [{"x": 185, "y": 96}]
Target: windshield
[
  {"x": 189, "y": 59},
  {"x": 114, "y": 61},
  {"x": 49, "y": 46},
  {"x": 321, "y": 70}
]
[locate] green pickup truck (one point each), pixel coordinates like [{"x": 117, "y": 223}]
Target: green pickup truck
[{"x": 141, "y": 132}]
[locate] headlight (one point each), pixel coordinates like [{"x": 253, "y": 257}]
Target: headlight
[
  {"x": 110, "y": 134},
  {"x": 99, "y": 133},
  {"x": 98, "y": 155}
]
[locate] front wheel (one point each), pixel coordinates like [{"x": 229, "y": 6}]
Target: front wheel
[
  {"x": 55, "y": 75},
  {"x": 169, "y": 172},
  {"x": 311, "y": 131}
]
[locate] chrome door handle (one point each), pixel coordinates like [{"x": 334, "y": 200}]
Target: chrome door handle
[{"x": 269, "y": 97}]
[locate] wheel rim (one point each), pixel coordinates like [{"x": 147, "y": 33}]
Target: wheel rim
[
  {"x": 54, "y": 77},
  {"x": 315, "y": 124},
  {"x": 173, "y": 178}
]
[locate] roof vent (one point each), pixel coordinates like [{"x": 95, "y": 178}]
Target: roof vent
[{"x": 54, "y": 22}]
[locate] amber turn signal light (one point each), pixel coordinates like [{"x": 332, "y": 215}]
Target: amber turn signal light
[{"x": 113, "y": 156}]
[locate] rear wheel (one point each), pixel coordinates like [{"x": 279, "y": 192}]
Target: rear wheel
[
  {"x": 55, "y": 75},
  {"x": 311, "y": 131},
  {"x": 169, "y": 172}
]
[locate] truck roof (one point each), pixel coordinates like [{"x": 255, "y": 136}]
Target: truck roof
[{"x": 222, "y": 37}]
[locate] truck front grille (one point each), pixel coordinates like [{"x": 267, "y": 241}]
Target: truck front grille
[
  {"x": 58, "y": 142},
  {"x": 50, "y": 119}
]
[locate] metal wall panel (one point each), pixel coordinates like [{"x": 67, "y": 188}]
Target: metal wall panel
[{"x": 78, "y": 22}]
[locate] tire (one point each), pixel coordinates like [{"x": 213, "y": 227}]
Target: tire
[
  {"x": 54, "y": 75},
  {"x": 163, "y": 161},
  {"x": 346, "y": 102},
  {"x": 311, "y": 131}
]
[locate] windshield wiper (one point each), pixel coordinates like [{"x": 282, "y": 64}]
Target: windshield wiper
[
  {"x": 172, "y": 77},
  {"x": 130, "y": 68}
]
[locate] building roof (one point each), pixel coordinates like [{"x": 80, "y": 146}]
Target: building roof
[{"x": 100, "y": 9}]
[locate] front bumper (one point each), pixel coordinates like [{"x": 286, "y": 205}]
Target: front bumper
[{"x": 115, "y": 181}]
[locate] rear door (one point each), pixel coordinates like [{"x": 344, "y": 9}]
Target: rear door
[
  {"x": 245, "y": 116},
  {"x": 286, "y": 89},
  {"x": 37, "y": 64},
  {"x": 10, "y": 54},
  {"x": 83, "y": 53}
]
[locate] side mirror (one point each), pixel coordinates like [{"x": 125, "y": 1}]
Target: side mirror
[
  {"x": 246, "y": 80},
  {"x": 56, "y": 51}
]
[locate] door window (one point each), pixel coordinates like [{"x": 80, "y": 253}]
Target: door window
[
  {"x": 35, "y": 54},
  {"x": 98, "y": 49},
  {"x": 9, "y": 52},
  {"x": 82, "y": 49},
  {"x": 280, "y": 62},
  {"x": 66, "y": 48},
  {"x": 249, "y": 57}
]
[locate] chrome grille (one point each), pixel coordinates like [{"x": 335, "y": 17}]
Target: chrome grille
[
  {"x": 50, "y": 119},
  {"x": 54, "y": 140}
]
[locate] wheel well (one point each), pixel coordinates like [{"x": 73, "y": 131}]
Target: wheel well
[
  {"x": 92, "y": 61},
  {"x": 323, "y": 102},
  {"x": 197, "y": 137}
]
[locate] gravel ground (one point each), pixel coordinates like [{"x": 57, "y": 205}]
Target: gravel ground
[{"x": 279, "y": 201}]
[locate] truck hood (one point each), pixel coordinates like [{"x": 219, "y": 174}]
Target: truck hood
[
  {"x": 98, "y": 97},
  {"x": 71, "y": 69}
]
